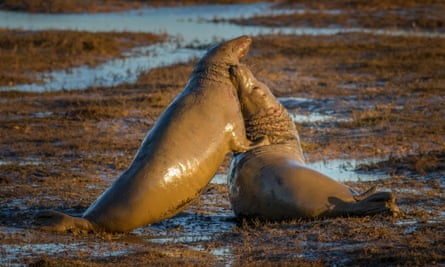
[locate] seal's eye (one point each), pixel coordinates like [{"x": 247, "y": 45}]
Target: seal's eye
[
  {"x": 257, "y": 90},
  {"x": 254, "y": 90}
]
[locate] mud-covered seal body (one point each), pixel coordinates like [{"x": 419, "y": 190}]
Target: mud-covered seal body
[
  {"x": 271, "y": 182},
  {"x": 179, "y": 155}
]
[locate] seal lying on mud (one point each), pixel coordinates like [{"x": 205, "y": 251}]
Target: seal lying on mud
[
  {"x": 271, "y": 182},
  {"x": 179, "y": 155}
]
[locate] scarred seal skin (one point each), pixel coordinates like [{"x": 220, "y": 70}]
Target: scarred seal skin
[
  {"x": 179, "y": 155},
  {"x": 271, "y": 182}
]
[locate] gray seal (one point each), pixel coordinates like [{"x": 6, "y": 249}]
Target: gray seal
[
  {"x": 271, "y": 182},
  {"x": 178, "y": 156}
]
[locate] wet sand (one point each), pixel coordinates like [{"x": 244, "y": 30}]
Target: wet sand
[{"x": 60, "y": 150}]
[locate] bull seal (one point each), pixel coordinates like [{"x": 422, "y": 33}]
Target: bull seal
[
  {"x": 178, "y": 156},
  {"x": 271, "y": 182}
]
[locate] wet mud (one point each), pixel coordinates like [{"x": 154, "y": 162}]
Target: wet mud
[{"x": 376, "y": 98}]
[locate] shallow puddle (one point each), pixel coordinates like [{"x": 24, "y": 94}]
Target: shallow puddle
[
  {"x": 302, "y": 110},
  {"x": 23, "y": 162},
  {"x": 311, "y": 117}
]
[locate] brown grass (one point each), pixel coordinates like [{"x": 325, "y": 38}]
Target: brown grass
[
  {"x": 392, "y": 15},
  {"x": 421, "y": 164},
  {"x": 367, "y": 20},
  {"x": 358, "y": 5}
]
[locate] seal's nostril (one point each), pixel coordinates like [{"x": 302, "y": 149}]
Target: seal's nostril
[{"x": 232, "y": 70}]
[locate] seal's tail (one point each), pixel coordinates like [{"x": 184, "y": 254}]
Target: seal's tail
[
  {"x": 54, "y": 221},
  {"x": 375, "y": 203}
]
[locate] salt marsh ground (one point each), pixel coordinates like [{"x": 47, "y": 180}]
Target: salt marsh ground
[{"x": 384, "y": 94}]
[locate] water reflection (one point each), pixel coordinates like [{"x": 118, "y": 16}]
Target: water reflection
[{"x": 311, "y": 117}]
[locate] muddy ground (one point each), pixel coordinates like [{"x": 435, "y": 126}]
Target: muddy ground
[{"x": 60, "y": 150}]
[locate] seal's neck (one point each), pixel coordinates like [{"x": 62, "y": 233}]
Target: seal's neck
[
  {"x": 212, "y": 71},
  {"x": 275, "y": 123}
]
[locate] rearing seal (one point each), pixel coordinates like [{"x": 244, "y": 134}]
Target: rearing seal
[
  {"x": 271, "y": 182},
  {"x": 178, "y": 156}
]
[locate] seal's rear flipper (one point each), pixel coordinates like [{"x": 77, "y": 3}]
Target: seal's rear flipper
[
  {"x": 54, "y": 221},
  {"x": 369, "y": 204},
  {"x": 376, "y": 203},
  {"x": 367, "y": 193}
]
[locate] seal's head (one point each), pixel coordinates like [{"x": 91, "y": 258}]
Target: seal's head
[
  {"x": 227, "y": 53},
  {"x": 264, "y": 116},
  {"x": 255, "y": 97}
]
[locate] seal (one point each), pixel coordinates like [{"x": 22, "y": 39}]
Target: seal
[
  {"x": 178, "y": 156},
  {"x": 271, "y": 182}
]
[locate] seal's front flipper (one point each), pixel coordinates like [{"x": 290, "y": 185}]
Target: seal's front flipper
[
  {"x": 262, "y": 141},
  {"x": 54, "y": 221},
  {"x": 246, "y": 145}
]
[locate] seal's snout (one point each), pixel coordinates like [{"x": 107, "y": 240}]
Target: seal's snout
[
  {"x": 234, "y": 77},
  {"x": 231, "y": 70},
  {"x": 238, "y": 77}
]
